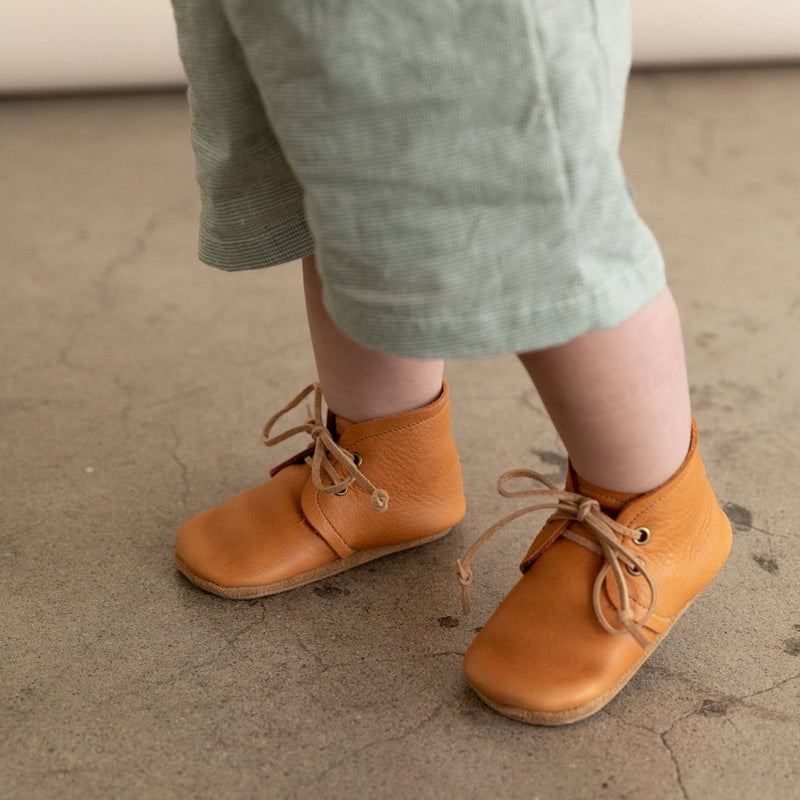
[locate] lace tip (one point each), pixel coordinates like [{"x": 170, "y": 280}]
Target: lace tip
[
  {"x": 380, "y": 500},
  {"x": 466, "y": 607}
]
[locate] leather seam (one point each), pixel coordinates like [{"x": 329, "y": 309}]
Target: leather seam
[
  {"x": 654, "y": 614},
  {"x": 310, "y": 525},
  {"x": 333, "y": 528},
  {"x": 658, "y": 500}
]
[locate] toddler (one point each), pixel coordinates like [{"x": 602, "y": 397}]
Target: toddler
[{"x": 448, "y": 172}]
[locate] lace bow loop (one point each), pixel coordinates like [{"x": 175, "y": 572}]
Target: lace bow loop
[
  {"x": 325, "y": 450},
  {"x": 607, "y": 537}
]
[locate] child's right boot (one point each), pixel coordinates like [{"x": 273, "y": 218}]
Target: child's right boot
[{"x": 358, "y": 492}]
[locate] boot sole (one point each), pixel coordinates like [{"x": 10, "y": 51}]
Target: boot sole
[
  {"x": 304, "y": 578},
  {"x": 570, "y": 715}
]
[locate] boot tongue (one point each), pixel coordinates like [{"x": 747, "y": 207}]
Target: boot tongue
[
  {"x": 341, "y": 425},
  {"x": 611, "y": 502},
  {"x": 337, "y": 425}
]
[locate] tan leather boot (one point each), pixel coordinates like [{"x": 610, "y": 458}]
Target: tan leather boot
[
  {"x": 603, "y": 583},
  {"x": 359, "y": 492}
]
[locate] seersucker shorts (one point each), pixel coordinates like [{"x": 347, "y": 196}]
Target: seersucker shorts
[{"x": 454, "y": 164}]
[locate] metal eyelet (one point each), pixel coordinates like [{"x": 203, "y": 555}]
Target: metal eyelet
[
  {"x": 357, "y": 460},
  {"x": 644, "y": 536},
  {"x": 633, "y": 570}
]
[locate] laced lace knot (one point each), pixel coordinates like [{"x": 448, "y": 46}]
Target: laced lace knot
[
  {"x": 587, "y": 505},
  {"x": 324, "y": 451},
  {"x": 607, "y": 537}
]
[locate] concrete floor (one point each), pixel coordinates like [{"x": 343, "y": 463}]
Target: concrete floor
[{"x": 136, "y": 382}]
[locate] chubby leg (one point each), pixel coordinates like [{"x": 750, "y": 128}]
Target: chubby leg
[
  {"x": 637, "y": 532},
  {"x": 358, "y": 383},
  {"x": 619, "y": 398}
]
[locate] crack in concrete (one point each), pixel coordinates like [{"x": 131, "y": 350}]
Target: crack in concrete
[
  {"x": 127, "y": 394},
  {"x": 772, "y": 534},
  {"x": 104, "y": 300},
  {"x": 63, "y": 359},
  {"x": 137, "y": 248},
  {"x": 428, "y": 718},
  {"x": 742, "y": 520},
  {"x": 230, "y": 644},
  {"x": 675, "y": 763},
  {"x": 183, "y": 470},
  {"x": 306, "y": 649},
  {"x": 250, "y": 625},
  {"x": 661, "y": 736},
  {"x": 393, "y": 659},
  {"x": 725, "y": 704},
  {"x": 681, "y": 676},
  {"x": 772, "y": 688}
]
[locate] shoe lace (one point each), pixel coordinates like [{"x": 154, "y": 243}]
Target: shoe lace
[
  {"x": 608, "y": 535},
  {"x": 325, "y": 448}
]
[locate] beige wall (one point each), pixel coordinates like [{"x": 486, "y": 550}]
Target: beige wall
[
  {"x": 68, "y": 44},
  {"x": 716, "y": 31},
  {"x": 62, "y": 44}
]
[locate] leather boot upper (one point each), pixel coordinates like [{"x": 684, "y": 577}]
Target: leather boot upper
[{"x": 294, "y": 523}]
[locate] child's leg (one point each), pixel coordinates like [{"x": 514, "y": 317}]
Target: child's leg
[
  {"x": 360, "y": 384},
  {"x": 382, "y": 477},
  {"x": 619, "y": 398},
  {"x": 637, "y": 532}
]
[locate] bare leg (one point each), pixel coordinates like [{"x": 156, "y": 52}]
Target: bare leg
[
  {"x": 358, "y": 383},
  {"x": 619, "y": 398}
]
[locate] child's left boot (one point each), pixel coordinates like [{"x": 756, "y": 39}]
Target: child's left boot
[{"x": 603, "y": 583}]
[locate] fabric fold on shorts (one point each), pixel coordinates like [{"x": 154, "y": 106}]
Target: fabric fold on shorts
[{"x": 454, "y": 166}]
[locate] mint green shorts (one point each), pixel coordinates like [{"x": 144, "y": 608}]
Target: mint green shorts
[{"x": 452, "y": 163}]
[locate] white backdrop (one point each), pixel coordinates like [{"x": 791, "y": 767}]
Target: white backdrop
[{"x": 52, "y": 45}]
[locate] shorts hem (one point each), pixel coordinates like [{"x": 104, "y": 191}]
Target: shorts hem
[
  {"x": 273, "y": 247},
  {"x": 526, "y": 328}
]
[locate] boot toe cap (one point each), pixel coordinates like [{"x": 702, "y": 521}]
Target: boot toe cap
[
  {"x": 544, "y": 656},
  {"x": 516, "y": 679},
  {"x": 257, "y": 538}
]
